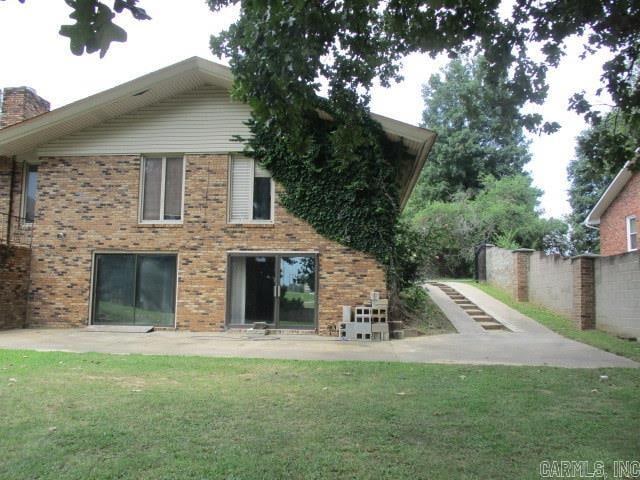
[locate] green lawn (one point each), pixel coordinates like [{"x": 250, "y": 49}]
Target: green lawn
[
  {"x": 565, "y": 326},
  {"x": 87, "y": 416}
]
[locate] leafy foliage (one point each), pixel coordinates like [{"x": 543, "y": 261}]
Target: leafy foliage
[
  {"x": 601, "y": 152},
  {"x": 505, "y": 212},
  {"x": 349, "y": 197},
  {"x": 480, "y": 132},
  {"x": 94, "y": 29},
  {"x": 351, "y": 42}
]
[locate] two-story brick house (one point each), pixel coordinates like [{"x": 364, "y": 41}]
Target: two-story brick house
[
  {"x": 143, "y": 210},
  {"x": 617, "y": 213}
]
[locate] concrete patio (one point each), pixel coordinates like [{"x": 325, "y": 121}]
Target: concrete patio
[{"x": 527, "y": 342}]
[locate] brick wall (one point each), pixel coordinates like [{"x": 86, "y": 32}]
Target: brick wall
[
  {"x": 14, "y": 278},
  {"x": 5, "y": 184},
  {"x": 613, "y": 227},
  {"x": 21, "y": 103},
  {"x": 91, "y": 203}
]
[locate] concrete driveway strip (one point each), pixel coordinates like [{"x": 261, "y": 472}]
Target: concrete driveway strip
[{"x": 527, "y": 344}]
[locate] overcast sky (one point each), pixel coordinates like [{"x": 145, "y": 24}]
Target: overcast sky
[{"x": 33, "y": 54}]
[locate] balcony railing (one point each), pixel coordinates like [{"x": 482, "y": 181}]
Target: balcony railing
[{"x": 15, "y": 231}]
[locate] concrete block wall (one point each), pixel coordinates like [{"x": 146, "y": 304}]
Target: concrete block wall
[
  {"x": 593, "y": 291},
  {"x": 551, "y": 282},
  {"x": 617, "y": 290},
  {"x": 500, "y": 271}
]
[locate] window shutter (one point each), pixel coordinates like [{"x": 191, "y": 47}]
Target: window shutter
[{"x": 241, "y": 189}]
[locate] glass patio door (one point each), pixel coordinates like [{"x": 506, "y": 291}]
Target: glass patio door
[
  {"x": 297, "y": 292},
  {"x": 134, "y": 289},
  {"x": 279, "y": 290}
]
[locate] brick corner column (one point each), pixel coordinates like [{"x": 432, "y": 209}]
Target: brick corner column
[
  {"x": 521, "y": 260},
  {"x": 584, "y": 291}
]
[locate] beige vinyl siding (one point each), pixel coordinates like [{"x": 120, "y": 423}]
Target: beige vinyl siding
[{"x": 199, "y": 121}]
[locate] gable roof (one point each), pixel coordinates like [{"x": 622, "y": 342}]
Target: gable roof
[
  {"x": 168, "y": 82},
  {"x": 610, "y": 194}
]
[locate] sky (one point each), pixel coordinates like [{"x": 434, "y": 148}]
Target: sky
[{"x": 33, "y": 54}]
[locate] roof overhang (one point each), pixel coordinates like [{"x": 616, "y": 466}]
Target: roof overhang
[
  {"x": 164, "y": 83},
  {"x": 610, "y": 194}
]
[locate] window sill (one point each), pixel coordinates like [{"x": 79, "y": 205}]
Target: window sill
[
  {"x": 253, "y": 225},
  {"x": 160, "y": 225}
]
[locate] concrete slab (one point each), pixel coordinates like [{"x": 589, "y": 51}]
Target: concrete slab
[
  {"x": 528, "y": 344},
  {"x": 488, "y": 348}
]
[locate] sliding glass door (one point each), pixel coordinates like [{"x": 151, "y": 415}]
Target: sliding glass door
[
  {"x": 134, "y": 289},
  {"x": 277, "y": 289}
]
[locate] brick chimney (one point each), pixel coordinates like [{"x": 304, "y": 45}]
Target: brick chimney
[{"x": 20, "y": 103}]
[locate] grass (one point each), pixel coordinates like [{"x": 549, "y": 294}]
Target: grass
[
  {"x": 565, "y": 326},
  {"x": 433, "y": 321},
  {"x": 94, "y": 416}
]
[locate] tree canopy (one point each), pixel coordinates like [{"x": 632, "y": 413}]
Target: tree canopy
[
  {"x": 504, "y": 212},
  {"x": 351, "y": 42},
  {"x": 601, "y": 151},
  {"x": 478, "y": 134}
]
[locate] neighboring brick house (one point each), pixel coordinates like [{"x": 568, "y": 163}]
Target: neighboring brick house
[
  {"x": 617, "y": 213},
  {"x": 143, "y": 210}
]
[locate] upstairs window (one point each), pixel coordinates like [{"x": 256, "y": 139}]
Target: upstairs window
[
  {"x": 29, "y": 192},
  {"x": 251, "y": 192},
  {"x": 632, "y": 233},
  {"x": 162, "y": 189}
]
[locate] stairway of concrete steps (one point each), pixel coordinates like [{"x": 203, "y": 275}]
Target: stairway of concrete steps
[{"x": 485, "y": 320}]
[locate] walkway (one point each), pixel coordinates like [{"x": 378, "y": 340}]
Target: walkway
[{"x": 528, "y": 343}]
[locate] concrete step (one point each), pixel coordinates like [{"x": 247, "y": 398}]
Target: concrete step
[
  {"x": 475, "y": 312},
  {"x": 119, "y": 328},
  {"x": 395, "y": 326},
  {"x": 483, "y": 318},
  {"x": 492, "y": 326},
  {"x": 468, "y": 306}
]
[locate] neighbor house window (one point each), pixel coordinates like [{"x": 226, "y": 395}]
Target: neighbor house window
[
  {"x": 251, "y": 192},
  {"x": 29, "y": 192},
  {"x": 632, "y": 233},
  {"x": 162, "y": 189}
]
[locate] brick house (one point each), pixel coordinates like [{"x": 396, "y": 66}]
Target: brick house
[
  {"x": 617, "y": 213},
  {"x": 141, "y": 210}
]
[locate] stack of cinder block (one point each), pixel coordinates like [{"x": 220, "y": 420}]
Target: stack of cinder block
[{"x": 365, "y": 322}]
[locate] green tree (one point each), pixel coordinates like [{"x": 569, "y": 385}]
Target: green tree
[
  {"x": 478, "y": 134},
  {"x": 505, "y": 212},
  {"x": 601, "y": 152}
]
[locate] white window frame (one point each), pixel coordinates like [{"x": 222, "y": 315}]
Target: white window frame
[
  {"x": 628, "y": 223},
  {"x": 23, "y": 195},
  {"x": 163, "y": 178},
  {"x": 253, "y": 176}
]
